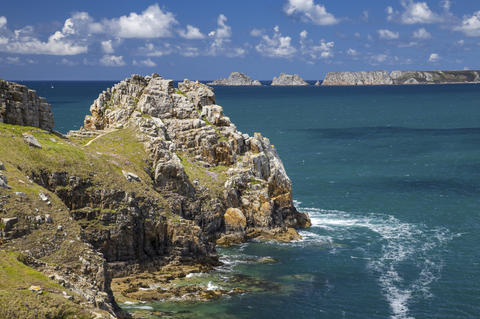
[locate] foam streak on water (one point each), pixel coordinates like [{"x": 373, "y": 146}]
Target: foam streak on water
[{"x": 400, "y": 245}]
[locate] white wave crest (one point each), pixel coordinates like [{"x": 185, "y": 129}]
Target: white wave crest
[{"x": 400, "y": 243}]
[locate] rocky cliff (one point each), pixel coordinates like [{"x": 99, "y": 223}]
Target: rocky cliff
[
  {"x": 236, "y": 79},
  {"x": 288, "y": 80},
  {"x": 155, "y": 179},
  {"x": 401, "y": 77},
  {"x": 21, "y": 106},
  {"x": 357, "y": 78}
]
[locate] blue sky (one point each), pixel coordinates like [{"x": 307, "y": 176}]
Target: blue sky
[{"x": 109, "y": 40}]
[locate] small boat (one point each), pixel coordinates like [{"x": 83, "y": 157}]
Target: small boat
[{"x": 52, "y": 87}]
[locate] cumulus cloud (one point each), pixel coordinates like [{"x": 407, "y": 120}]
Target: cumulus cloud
[
  {"x": 470, "y": 25},
  {"x": 308, "y": 11},
  {"x": 148, "y": 63},
  {"x": 434, "y": 57},
  {"x": 256, "y": 32},
  {"x": 152, "y": 50},
  {"x": 192, "y": 33},
  {"x": 417, "y": 12},
  {"x": 387, "y": 34},
  {"x": 112, "y": 60},
  {"x": 422, "y": 33},
  {"x": 377, "y": 59},
  {"x": 107, "y": 46},
  {"x": 220, "y": 40},
  {"x": 67, "y": 62},
  {"x": 277, "y": 46},
  {"x": 151, "y": 23},
  {"x": 23, "y": 41}
]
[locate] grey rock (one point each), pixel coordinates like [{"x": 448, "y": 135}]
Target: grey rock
[
  {"x": 8, "y": 223},
  {"x": 4, "y": 182},
  {"x": 288, "y": 80},
  {"x": 31, "y": 140},
  {"x": 48, "y": 219},
  {"x": 43, "y": 197},
  {"x": 2, "y": 167},
  {"x": 59, "y": 227},
  {"x": 318, "y": 83},
  {"x": 236, "y": 79},
  {"x": 357, "y": 78},
  {"x": 20, "y": 194},
  {"x": 21, "y": 106},
  {"x": 131, "y": 177}
]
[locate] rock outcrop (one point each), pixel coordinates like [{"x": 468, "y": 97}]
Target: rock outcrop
[
  {"x": 156, "y": 178},
  {"x": 434, "y": 77},
  {"x": 358, "y": 78},
  {"x": 400, "y": 77},
  {"x": 288, "y": 80},
  {"x": 236, "y": 79},
  {"x": 21, "y": 106}
]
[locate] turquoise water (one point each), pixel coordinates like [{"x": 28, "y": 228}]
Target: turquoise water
[{"x": 391, "y": 179}]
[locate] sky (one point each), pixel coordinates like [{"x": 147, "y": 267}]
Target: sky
[{"x": 205, "y": 40}]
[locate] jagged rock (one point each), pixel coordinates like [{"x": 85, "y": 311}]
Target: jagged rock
[
  {"x": 401, "y": 77},
  {"x": 288, "y": 80},
  {"x": 31, "y": 140},
  {"x": 236, "y": 79},
  {"x": 43, "y": 197},
  {"x": 8, "y": 223},
  {"x": 21, "y": 106},
  {"x": 318, "y": 83},
  {"x": 2, "y": 167},
  {"x": 357, "y": 78},
  {"x": 48, "y": 219},
  {"x": 4, "y": 182}
]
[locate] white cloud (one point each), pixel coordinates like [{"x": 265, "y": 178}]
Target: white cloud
[
  {"x": 221, "y": 40},
  {"x": 446, "y": 5},
  {"x": 112, "y": 60},
  {"x": 377, "y": 59},
  {"x": 148, "y": 63},
  {"x": 365, "y": 15},
  {"x": 303, "y": 34},
  {"x": 310, "y": 12},
  {"x": 434, "y": 57},
  {"x": 387, "y": 34},
  {"x": 470, "y": 25},
  {"x": 107, "y": 46},
  {"x": 151, "y": 23},
  {"x": 13, "y": 60},
  {"x": 151, "y": 50},
  {"x": 422, "y": 33},
  {"x": 352, "y": 52},
  {"x": 417, "y": 12},
  {"x": 191, "y": 33},
  {"x": 23, "y": 41},
  {"x": 276, "y": 46},
  {"x": 256, "y": 32},
  {"x": 190, "y": 52},
  {"x": 3, "y": 21},
  {"x": 460, "y": 42}
]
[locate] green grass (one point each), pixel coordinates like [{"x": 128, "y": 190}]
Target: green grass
[{"x": 18, "y": 302}]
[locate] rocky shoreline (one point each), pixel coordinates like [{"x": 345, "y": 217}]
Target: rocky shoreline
[{"x": 154, "y": 181}]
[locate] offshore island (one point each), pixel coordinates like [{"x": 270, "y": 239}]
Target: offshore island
[{"x": 139, "y": 197}]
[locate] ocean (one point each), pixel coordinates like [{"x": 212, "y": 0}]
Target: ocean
[{"x": 390, "y": 176}]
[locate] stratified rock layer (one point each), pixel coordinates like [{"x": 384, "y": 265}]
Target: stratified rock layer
[
  {"x": 288, "y": 80},
  {"x": 21, "y": 106},
  {"x": 400, "y": 77},
  {"x": 236, "y": 79}
]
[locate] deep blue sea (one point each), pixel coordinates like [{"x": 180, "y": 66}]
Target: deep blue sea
[{"x": 391, "y": 179}]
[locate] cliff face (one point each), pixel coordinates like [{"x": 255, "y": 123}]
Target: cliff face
[
  {"x": 401, "y": 77},
  {"x": 435, "y": 77},
  {"x": 156, "y": 178},
  {"x": 358, "y": 78},
  {"x": 21, "y": 106},
  {"x": 236, "y": 79},
  {"x": 288, "y": 80}
]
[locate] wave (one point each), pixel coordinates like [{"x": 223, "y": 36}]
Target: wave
[{"x": 402, "y": 248}]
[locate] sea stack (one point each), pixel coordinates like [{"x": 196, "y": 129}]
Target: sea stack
[
  {"x": 358, "y": 78},
  {"x": 21, "y": 106},
  {"x": 288, "y": 80},
  {"x": 236, "y": 79}
]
